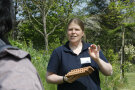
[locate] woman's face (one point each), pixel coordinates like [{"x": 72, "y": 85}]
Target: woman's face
[{"x": 74, "y": 33}]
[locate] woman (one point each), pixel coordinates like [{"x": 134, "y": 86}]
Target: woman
[{"x": 77, "y": 54}]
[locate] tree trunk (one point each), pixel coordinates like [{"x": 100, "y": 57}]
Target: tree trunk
[
  {"x": 122, "y": 52},
  {"x": 45, "y": 33},
  {"x": 44, "y": 27},
  {"x": 14, "y": 33}
]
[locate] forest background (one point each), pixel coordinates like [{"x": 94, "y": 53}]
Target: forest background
[{"x": 40, "y": 27}]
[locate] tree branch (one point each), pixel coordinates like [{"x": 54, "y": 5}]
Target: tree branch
[
  {"x": 29, "y": 15},
  {"x": 53, "y": 29},
  {"x": 28, "y": 10}
]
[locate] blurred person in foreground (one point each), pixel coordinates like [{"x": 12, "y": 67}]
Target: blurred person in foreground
[
  {"x": 77, "y": 54},
  {"x": 16, "y": 69}
]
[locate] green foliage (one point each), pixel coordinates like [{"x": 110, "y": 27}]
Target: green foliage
[
  {"x": 131, "y": 68},
  {"x": 28, "y": 33},
  {"x": 54, "y": 45},
  {"x": 128, "y": 66},
  {"x": 112, "y": 57},
  {"x": 111, "y": 18},
  {"x": 129, "y": 52},
  {"x": 113, "y": 82},
  {"x": 96, "y": 6},
  {"x": 57, "y": 14},
  {"x": 116, "y": 17}
]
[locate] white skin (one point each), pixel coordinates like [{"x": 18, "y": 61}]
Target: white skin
[
  {"x": 75, "y": 34},
  {"x": 105, "y": 68}
]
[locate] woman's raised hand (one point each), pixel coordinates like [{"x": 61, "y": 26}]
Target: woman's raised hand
[{"x": 94, "y": 52}]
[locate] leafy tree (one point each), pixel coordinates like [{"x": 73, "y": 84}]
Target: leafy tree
[
  {"x": 115, "y": 30},
  {"x": 96, "y": 6},
  {"x": 48, "y": 18}
]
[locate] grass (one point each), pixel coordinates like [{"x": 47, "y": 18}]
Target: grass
[{"x": 131, "y": 81}]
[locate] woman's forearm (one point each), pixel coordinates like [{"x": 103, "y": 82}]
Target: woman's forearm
[
  {"x": 105, "y": 68},
  {"x": 54, "y": 78}
]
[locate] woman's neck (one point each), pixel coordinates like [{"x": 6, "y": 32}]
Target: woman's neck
[{"x": 76, "y": 47}]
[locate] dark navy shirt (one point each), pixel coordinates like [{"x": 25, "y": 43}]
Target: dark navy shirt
[{"x": 63, "y": 60}]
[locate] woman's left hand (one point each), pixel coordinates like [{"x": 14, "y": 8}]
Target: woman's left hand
[{"x": 94, "y": 52}]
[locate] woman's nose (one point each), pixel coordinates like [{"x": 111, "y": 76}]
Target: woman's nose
[{"x": 73, "y": 31}]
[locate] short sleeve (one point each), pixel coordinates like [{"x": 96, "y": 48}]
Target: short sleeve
[
  {"x": 53, "y": 65},
  {"x": 103, "y": 57}
]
